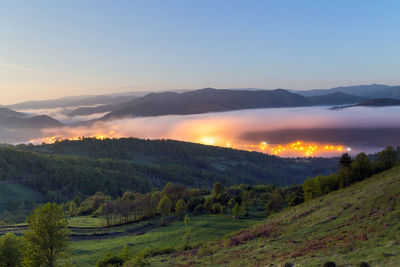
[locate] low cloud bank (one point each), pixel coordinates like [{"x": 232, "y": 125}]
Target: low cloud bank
[{"x": 358, "y": 128}]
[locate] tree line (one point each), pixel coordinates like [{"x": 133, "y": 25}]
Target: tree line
[{"x": 350, "y": 171}]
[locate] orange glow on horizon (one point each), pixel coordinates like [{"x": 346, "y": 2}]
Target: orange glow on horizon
[{"x": 297, "y": 148}]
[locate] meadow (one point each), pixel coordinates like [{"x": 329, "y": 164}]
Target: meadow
[{"x": 204, "y": 228}]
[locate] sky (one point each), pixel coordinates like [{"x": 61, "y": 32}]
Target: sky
[{"x": 60, "y": 48}]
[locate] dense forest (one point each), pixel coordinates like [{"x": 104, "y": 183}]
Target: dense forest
[{"x": 115, "y": 165}]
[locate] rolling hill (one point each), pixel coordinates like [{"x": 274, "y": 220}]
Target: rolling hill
[
  {"x": 356, "y": 224},
  {"x": 337, "y": 98},
  {"x": 377, "y": 102},
  {"x": 367, "y": 91},
  {"x": 380, "y": 102},
  {"x": 206, "y": 100},
  {"x": 72, "y": 101},
  {"x": 11, "y": 119},
  {"x": 113, "y": 166},
  {"x": 213, "y": 100}
]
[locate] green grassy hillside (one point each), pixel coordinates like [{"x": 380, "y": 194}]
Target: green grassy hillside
[
  {"x": 11, "y": 193},
  {"x": 358, "y": 223},
  {"x": 203, "y": 228},
  {"x": 16, "y": 200}
]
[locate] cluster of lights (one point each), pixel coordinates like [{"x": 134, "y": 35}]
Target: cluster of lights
[
  {"x": 54, "y": 139},
  {"x": 298, "y": 148}
]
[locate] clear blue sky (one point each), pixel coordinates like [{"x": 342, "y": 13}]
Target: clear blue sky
[{"x": 56, "y": 48}]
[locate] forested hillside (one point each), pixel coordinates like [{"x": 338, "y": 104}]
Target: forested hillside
[{"x": 84, "y": 167}]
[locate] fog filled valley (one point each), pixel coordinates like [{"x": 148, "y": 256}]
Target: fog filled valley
[
  {"x": 127, "y": 183},
  {"x": 321, "y": 129},
  {"x": 199, "y": 133}
]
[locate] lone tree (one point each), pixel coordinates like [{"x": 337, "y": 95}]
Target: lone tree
[
  {"x": 345, "y": 163},
  {"x": 47, "y": 238},
  {"x": 164, "y": 208},
  {"x": 236, "y": 211},
  {"x": 246, "y": 201},
  {"x": 180, "y": 208}
]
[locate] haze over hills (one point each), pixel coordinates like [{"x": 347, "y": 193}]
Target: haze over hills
[
  {"x": 337, "y": 98},
  {"x": 181, "y": 102},
  {"x": 377, "y": 102},
  {"x": 216, "y": 100},
  {"x": 72, "y": 101},
  {"x": 367, "y": 91},
  {"x": 16, "y": 127},
  {"x": 11, "y": 119},
  {"x": 207, "y": 100}
]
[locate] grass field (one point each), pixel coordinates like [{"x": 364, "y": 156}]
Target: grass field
[
  {"x": 12, "y": 193},
  {"x": 358, "y": 223},
  {"x": 203, "y": 228},
  {"x": 16, "y": 202},
  {"x": 87, "y": 221}
]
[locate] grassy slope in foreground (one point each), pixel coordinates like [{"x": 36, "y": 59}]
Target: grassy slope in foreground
[
  {"x": 358, "y": 223},
  {"x": 203, "y": 228}
]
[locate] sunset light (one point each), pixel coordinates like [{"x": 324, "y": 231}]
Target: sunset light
[{"x": 294, "y": 149}]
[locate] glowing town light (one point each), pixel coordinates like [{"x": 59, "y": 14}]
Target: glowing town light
[{"x": 207, "y": 141}]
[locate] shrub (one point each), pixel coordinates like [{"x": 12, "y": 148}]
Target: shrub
[
  {"x": 205, "y": 250},
  {"x": 231, "y": 203},
  {"x": 222, "y": 210},
  {"x": 110, "y": 260},
  {"x": 199, "y": 209},
  {"x": 216, "y": 208},
  {"x": 329, "y": 264}
]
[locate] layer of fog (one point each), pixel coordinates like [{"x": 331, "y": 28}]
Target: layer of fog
[
  {"x": 281, "y": 126},
  {"x": 61, "y": 114}
]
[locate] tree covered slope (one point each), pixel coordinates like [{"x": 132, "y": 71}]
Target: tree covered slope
[
  {"x": 115, "y": 166},
  {"x": 360, "y": 223}
]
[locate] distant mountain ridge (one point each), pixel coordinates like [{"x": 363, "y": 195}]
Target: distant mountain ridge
[
  {"x": 367, "y": 91},
  {"x": 377, "y": 102},
  {"x": 337, "y": 98},
  {"x": 207, "y": 100},
  {"x": 72, "y": 101},
  {"x": 11, "y": 119}
]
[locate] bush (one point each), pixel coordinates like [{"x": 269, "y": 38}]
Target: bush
[
  {"x": 329, "y": 264},
  {"x": 363, "y": 264},
  {"x": 216, "y": 208},
  {"x": 231, "y": 203},
  {"x": 194, "y": 202},
  {"x": 199, "y": 209},
  {"x": 110, "y": 260},
  {"x": 205, "y": 250},
  {"x": 222, "y": 210}
]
